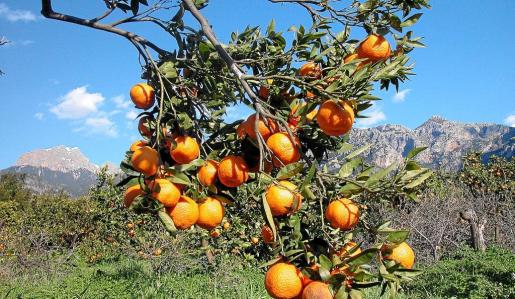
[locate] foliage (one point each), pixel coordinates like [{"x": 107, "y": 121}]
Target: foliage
[
  {"x": 197, "y": 82},
  {"x": 496, "y": 175},
  {"x": 469, "y": 274}
]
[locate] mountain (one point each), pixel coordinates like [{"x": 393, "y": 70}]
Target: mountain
[
  {"x": 68, "y": 169},
  {"x": 447, "y": 142},
  {"x": 59, "y": 168}
]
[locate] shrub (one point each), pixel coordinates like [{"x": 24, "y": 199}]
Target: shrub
[{"x": 469, "y": 274}]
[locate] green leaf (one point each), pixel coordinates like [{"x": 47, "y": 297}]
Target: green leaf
[
  {"x": 363, "y": 258},
  {"x": 268, "y": 216},
  {"x": 347, "y": 168},
  {"x": 179, "y": 178},
  {"x": 395, "y": 22},
  {"x": 271, "y": 27},
  {"x": 166, "y": 220},
  {"x": 134, "y": 6},
  {"x": 411, "y": 20},
  {"x": 381, "y": 174},
  {"x": 412, "y": 153},
  {"x": 290, "y": 170},
  {"x": 349, "y": 189},
  {"x": 325, "y": 263},
  {"x": 184, "y": 167},
  {"x": 355, "y": 294},
  {"x": 342, "y": 293},
  {"x": 419, "y": 180},
  {"x": 270, "y": 262},
  {"x": 398, "y": 236},
  {"x": 358, "y": 151}
]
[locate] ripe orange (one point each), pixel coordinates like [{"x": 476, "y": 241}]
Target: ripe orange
[
  {"x": 317, "y": 290},
  {"x": 165, "y": 192},
  {"x": 185, "y": 213},
  {"x": 233, "y": 171},
  {"x": 145, "y": 160},
  {"x": 267, "y": 234},
  {"x": 335, "y": 119},
  {"x": 345, "y": 251},
  {"x": 282, "y": 198},
  {"x": 264, "y": 92},
  {"x": 266, "y": 127},
  {"x": 137, "y": 144},
  {"x": 401, "y": 254},
  {"x": 215, "y": 233},
  {"x": 285, "y": 150},
  {"x": 350, "y": 57},
  {"x": 211, "y": 213},
  {"x": 267, "y": 166},
  {"x": 241, "y": 130},
  {"x": 185, "y": 150},
  {"x": 307, "y": 279},
  {"x": 283, "y": 280},
  {"x": 207, "y": 173},
  {"x": 144, "y": 126},
  {"x": 374, "y": 47},
  {"x": 310, "y": 69},
  {"x": 342, "y": 213},
  {"x": 131, "y": 193},
  {"x": 142, "y": 95}
]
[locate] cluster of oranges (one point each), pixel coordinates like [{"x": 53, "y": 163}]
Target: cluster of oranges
[{"x": 334, "y": 117}]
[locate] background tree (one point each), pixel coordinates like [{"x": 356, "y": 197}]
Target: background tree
[{"x": 276, "y": 159}]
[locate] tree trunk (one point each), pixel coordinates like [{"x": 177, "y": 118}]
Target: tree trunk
[
  {"x": 209, "y": 254},
  {"x": 477, "y": 227}
]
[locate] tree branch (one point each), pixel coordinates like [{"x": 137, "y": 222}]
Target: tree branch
[{"x": 48, "y": 12}]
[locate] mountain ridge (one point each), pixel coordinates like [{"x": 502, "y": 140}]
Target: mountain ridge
[{"x": 63, "y": 168}]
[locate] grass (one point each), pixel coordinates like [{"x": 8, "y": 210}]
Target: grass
[{"x": 131, "y": 278}]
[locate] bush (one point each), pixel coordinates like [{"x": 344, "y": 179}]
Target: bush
[{"x": 469, "y": 274}]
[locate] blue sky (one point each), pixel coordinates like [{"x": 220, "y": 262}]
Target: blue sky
[{"x": 66, "y": 84}]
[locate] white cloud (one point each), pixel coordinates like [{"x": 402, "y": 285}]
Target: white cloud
[
  {"x": 78, "y": 104},
  {"x": 120, "y": 102},
  {"x": 510, "y": 120},
  {"x": 375, "y": 116},
  {"x": 131, "y": 115},
  {"x": 15, "y": 15},
  {"x": 39, "y": 116},
  {"x": 99, "y": 126},
  {"x": 400, "y": 96}
]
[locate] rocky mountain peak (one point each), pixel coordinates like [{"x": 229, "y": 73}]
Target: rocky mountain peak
[{"x": 59, "y": 158}]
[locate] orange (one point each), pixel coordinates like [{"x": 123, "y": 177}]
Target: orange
[
  {"x": 241, "y": 130},
  {"x": 131, "y": 193},
  {"x": 233, "y": 171},
  {"x": 284, "y": 149},
  {"x": 165, "y": 192},
  {"x": 144, "y": 126},
  {"x": 282, "y": 280},
  {"x": 350, "y": 57},
  {"x": 310, "y": 69},
  {"x": 211, "y": 213},
  {"x": 215, "y": 233},
  {"x": 401, "y": 254},
  {"x": 282, "y": 198},
  {"x": 374, "y": 47},
  {"x": 342, "y": 213},
  {"x": 317, "y": 290},
  {"x": 226, "y": 225},
  {"x": 137, "y": 144},
  {"x": 145, "y": 160},
  {"x": 349, "y": 247},
  {"x": 186, "y": 150},
  {"x": 266, "y": 127},
  {"x": 335, "y": 119},
  {"x": 267, "y": 234},
  {"x": 142, "y": 95},
  {"x": 185, "y": 213},
  {"x": 267, "y": 166},
  {"x": 207, "y": 173},
  {"x": 307, "y": 279},
  {"x": 264, "y": 92}
]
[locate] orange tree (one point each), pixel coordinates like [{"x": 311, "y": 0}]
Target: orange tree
[{"x": 306, "y": 87}]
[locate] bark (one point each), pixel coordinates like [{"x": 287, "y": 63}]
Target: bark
[{"x": 477, "y": 227}]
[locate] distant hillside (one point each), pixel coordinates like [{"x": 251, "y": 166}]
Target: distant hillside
[
  {"x": 447, "y": 142},
  {"x": 56, "y": 169},
  {"x": 68, "y": 169}
]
